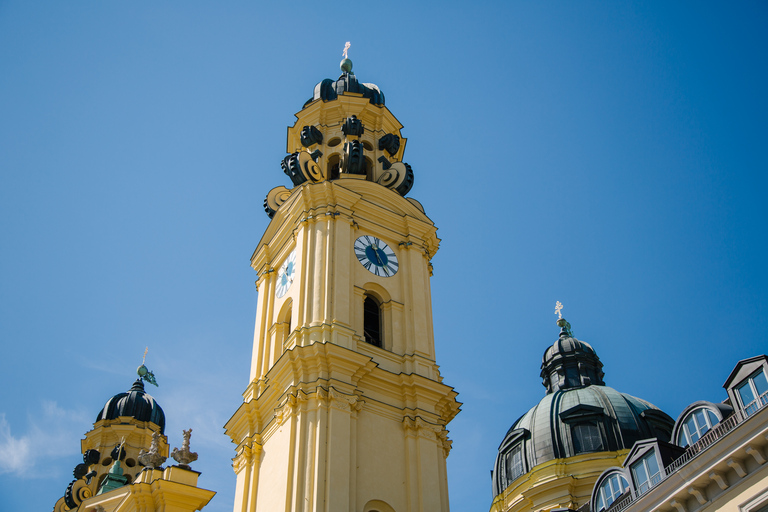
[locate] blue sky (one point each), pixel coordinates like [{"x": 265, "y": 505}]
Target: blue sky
[{"x": 608, "y": 155}]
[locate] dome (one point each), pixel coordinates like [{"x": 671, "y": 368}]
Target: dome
[
  {"x": 136, "y": 404},
  {"x": 328, "y": 89},
  {"x": 578, "y": 415},
  {"x": 570, "y": 363},
  {"x": 569, "y": 422}
]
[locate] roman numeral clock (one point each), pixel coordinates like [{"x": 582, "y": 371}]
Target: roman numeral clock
[{"x": 376, "y": 256}]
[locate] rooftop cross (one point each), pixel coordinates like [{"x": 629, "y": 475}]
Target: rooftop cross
[
  {"x": 346, "y": 49},
  {"x": 558, "y": 310}
]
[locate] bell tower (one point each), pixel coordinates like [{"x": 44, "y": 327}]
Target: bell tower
[{"x": 346, "y": 409}]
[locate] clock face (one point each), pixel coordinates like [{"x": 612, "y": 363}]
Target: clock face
[
  {"x": 285, "y": 275},
  {"x": 376, "y": 256}
]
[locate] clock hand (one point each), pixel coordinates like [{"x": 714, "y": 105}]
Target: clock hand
[{"x": 376, "y": 252}]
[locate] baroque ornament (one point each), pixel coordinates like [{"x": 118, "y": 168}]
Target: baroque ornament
[
  {"x": 152, "y": 459},
  {"x": 184, "y": 456},
  {"x": 348, "y": 132}
]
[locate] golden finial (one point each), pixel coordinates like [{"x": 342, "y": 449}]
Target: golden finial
[
  {"x": 346, "y": 49},
  {"x": 143, "y": 359},
  {"x": 559, "y": 309}
]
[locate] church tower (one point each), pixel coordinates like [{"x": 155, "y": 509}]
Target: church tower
[{"x": 346, "y": 409}]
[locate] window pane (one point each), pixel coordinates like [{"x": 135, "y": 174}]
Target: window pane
[
  {"x": 712, "y": 418},
  {"x": 690, "y": 428},
  {"x": 745, "y": 393},
  {"x": 514, "y": 464},
  {"x": 586, "y": 438},
  {"x": 683, "y": 437},
  {"x": 600, "y": 503},
  {"x": 653, "y": 465},
  {"x": 701, "y": 423},
  {"x": 761, "y": 384},
  {"x": 641, "y": 476}
]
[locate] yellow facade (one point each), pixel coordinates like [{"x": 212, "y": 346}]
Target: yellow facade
[
  {"x": 173, "y": 489},
  {"x": 330, "y": 422},
  {"x": 560, "y": 483}
]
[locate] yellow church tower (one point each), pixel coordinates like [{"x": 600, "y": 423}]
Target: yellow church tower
[{"x": 346, "y": 409}]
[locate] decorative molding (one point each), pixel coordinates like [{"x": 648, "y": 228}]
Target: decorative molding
[
  {"x": 352, "y": 127},
  {"x": 343, "y": 401},
  {"x": 390, "y": 143},
  {"x": 698, "y": 494},
  {"x": 755, "y": 453},
  {"x": 276, "y": 197},
  {"x": 677, "y": 505},
  {"x": 353, "y": 159},
  {"x": 422, "y": 428},
  {"x": 737, "y": 466},
  {"x": 719, "y": 479},
  {"x": 290, "y": 406},
  {"x": 310, "y": 136}
]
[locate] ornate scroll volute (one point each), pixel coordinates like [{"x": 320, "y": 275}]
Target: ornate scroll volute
[
  {"x": 310, "y": 136},
  {"x": 353, "y": 159},
  {"x": 292, "y": 169},
  {"x": 274, "y": 199},
  {"x": 77, "y": 492},
  {"x": 398, "y": 176},
  {"x": 442, "y": 436},
  {"x": 352, "y": 127},
  {"x": 390, "y": 143},
  {"x": 309, "y": 167},
  {"x": 301, "y": 167}
]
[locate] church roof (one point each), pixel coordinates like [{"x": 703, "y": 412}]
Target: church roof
[
  {"x": 135, "y": 403},
  {"x": 579, "y": 414}
]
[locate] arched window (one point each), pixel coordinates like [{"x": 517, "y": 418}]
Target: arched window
[
  {"x": 372, "y": 321},
  {"x": 334, "y": 163},
  {"x": 609, "y": 488},
  {"x": 695, "y": 425}
]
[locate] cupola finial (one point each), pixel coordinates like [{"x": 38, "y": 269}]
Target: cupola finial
[
  {"x": 565, "y": 327},
  {"x": 144, "y": 372},
  {"x": 346, "y": 64}
]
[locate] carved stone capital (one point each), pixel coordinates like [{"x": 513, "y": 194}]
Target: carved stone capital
[
  {"x": 290, "y": 406},
  {"x": 343, "y": 401},
  {"x": 422, "y": 428},
  {"x": 246, "y": 455}
]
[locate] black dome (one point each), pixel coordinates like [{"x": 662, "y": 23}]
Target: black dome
[
  {"x": 136, "y": 404},
  {"x": 578, "y": 415},
  {"x": 570, "y": 363},
  {"x": 586, "y": 419},
  {"x": 328, "y": 89}
]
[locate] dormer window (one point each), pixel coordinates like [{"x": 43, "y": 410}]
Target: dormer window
[
  {"x": 510, "y": 462},
  {"x": 753, "y": 392},
  {"x": 645, "y": 472},
  {"x": 513, "y": 461},
  {"x": 695, "y": 425},
  {"x": 612, "y": 486},
  {"x": 587, "y": 438}
]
